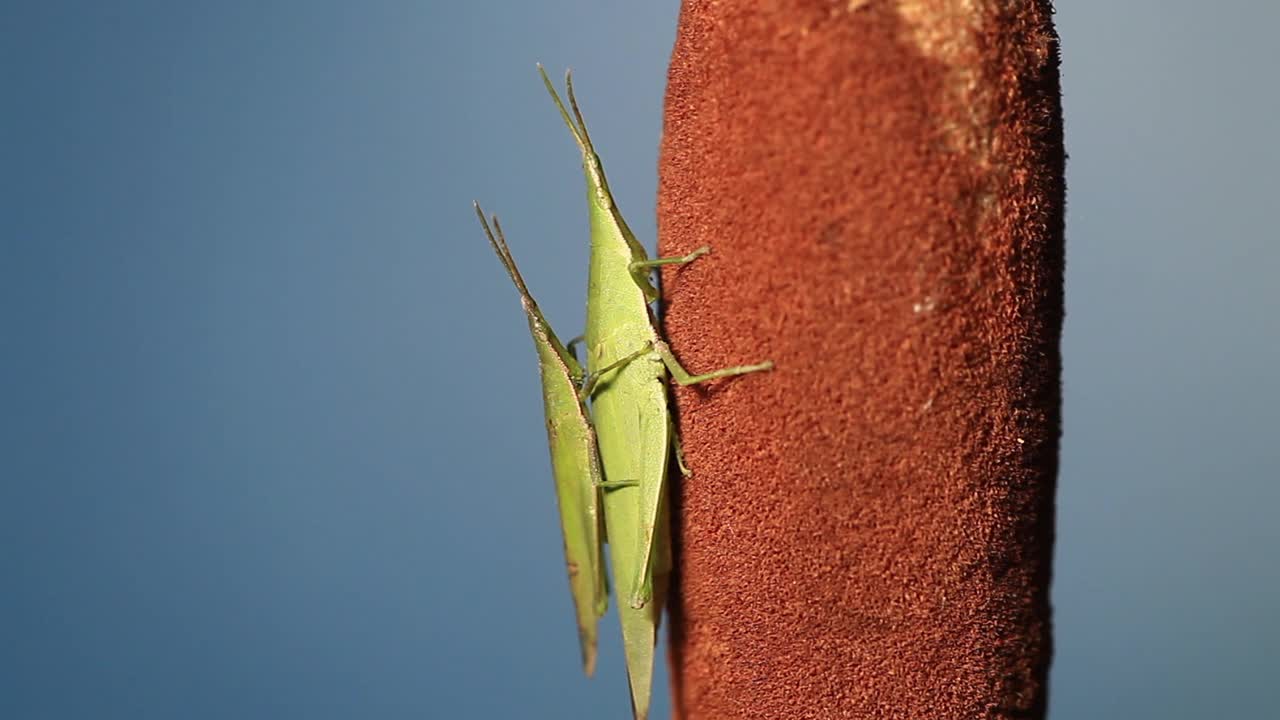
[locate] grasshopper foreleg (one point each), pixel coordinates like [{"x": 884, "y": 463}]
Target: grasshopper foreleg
[{"x": 590, "y": 381}]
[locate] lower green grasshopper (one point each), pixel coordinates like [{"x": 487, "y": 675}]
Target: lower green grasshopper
[{"x": 575, "y": 462}]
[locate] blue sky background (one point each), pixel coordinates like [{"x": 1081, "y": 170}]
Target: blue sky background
[{"x": 270, "y": 443}]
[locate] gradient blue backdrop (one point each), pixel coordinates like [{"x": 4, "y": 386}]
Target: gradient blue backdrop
[{"x": 269, "y": 444}]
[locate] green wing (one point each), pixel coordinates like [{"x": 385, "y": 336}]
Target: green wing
[
  {"x": 575, "y": 460},
  {"x": 638, "y": 525}
]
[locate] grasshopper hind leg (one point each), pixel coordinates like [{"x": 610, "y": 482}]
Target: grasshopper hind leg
[
  {"x": 673, "y": 260},
  {"x": 679, "y": 452},
  {"x": 684, "y": 377}
]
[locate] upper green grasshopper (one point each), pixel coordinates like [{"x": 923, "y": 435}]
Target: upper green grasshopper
[
  {"x": 575, "y": 460},
  {"x": 629, "y": 362}
]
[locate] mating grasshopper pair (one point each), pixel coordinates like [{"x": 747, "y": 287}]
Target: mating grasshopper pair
[{"x": 612, "y": 454}]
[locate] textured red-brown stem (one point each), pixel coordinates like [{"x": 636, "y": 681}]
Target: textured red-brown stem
[{"x": 868, "y": 530}]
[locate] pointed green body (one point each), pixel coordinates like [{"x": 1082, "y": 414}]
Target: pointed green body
[
  {"x": 629, "y": 407},
  {"x": 575, "y": 460}
]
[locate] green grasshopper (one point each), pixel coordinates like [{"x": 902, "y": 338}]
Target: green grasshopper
[
  {"x": 628, "y": 363},
  {"x": 575, "y": 462}
]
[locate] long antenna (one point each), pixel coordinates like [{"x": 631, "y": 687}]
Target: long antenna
[
  {"x": 579, "y": 128},
  {"x": 499, "y": 244}
]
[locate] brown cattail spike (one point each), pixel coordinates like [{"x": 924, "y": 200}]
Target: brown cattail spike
[{"x": 868, "y": 530}]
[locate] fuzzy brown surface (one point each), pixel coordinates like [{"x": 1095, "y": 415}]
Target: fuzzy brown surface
[{"x": 868, "y": 530}]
